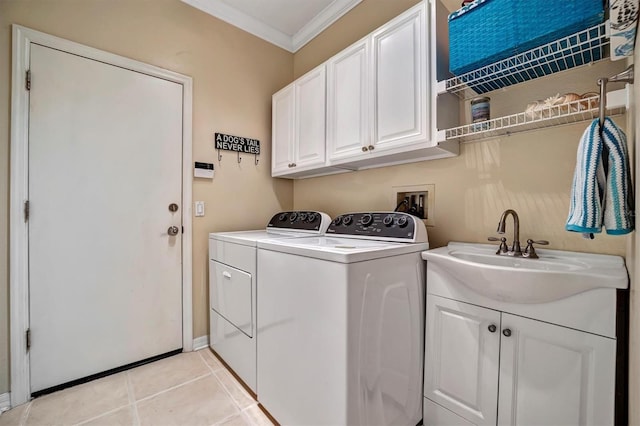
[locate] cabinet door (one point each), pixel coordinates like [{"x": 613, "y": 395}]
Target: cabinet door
[
  {"x": 282, "y": 139},
  {"x": 309, "y": 148},
  {"x": 461, "y": 358},
  {"x": 552, "y": 375},
  {"x": 348, "y": 105},
  {"x": 400, "y": 81}
]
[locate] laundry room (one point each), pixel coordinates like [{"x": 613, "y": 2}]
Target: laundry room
[{"x": 176, "y": 74}]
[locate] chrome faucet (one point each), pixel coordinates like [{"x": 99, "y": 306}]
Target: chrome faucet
[{"x": 515, "y": 249}]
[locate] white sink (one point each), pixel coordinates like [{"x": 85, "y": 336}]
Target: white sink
[{"x": 555, "y": 275}]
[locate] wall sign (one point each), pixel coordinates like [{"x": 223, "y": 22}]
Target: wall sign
[{"x": 237, "y": 144}]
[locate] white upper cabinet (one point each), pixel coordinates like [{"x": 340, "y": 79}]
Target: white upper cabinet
[
  {"x": 378, "y": 97},
  {"x": 349, "y": 102},
  {"x": 400, "y": 50},
  {"x": 373, "y": 109},
  {"x": 299, "y": 124},
  {"x": 282, "y": 127},
  {"x": 310, "y": 119}
]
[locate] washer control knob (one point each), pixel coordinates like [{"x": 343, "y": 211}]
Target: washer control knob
[
  {"x": 337, "y": 221},
  {"x": 303, "y": 216},
  {"x": 282, "y": 217},
  {"x": 293, "y": 216},
  {"x": 388, "y": 220},
  {"x": 402, "y": 221},
  {"x": 347, "y": 220},
  {"x": 366, "y": 220},
  {"x": 312, "y": 217}
]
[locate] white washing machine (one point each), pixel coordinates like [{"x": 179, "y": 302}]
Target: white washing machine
[
  {"x": 233, "y": 286},
  {"x": 341, "y": 323}
]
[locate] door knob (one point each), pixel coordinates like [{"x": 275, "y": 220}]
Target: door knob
[{"x": 173, "y": 230}]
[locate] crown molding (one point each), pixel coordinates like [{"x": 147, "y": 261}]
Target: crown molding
[
  {"x": 319, "y": 23},
  {"x": 322, "y": 21}
]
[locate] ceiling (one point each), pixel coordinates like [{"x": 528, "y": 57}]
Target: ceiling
[{"x": 289, "y": 24}]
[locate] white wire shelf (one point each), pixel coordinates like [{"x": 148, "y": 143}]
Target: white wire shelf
[
  {"x": 582, "y": 48},
  {"x": 549, "y": 116}
]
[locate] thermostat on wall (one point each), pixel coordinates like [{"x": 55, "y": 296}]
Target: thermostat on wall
[{"x": 203, "y": 170}]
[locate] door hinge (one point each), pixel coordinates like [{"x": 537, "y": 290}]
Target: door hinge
[
  {"x": 182, "y": 229},
  {"x": 26, "y": 210},
  {"x": 28, "y": 338},
  {"x": 27, "y": 80}
]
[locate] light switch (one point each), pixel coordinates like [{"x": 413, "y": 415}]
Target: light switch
[{"x": 199, "y": 208}]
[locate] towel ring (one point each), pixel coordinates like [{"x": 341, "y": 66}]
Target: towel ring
[{"x": 625, "y": 76}]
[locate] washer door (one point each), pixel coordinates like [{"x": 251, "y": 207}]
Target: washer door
[{"x": 231, "y": 295}]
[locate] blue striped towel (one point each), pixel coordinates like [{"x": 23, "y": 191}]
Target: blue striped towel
[{"x": 602, "y": 190}]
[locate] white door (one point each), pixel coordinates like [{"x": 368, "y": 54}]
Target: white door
[
  {"x": 105, "y": 148},
  {"x": 348, "y": 105},
  {"x": 283, "y": 129},
  {"x": 401, "y": 75},
  {"x": 310, "y": 119},
  {"x": 552, "y": 375},
  {"x": 462, "y": 347}
]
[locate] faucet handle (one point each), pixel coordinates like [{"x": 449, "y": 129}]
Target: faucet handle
[
  {"x": 530, "y": 251},
  {"x": 503, "y": 244}
]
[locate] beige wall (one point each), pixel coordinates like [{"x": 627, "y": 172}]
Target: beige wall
[
  {"x": 360, "y": 21},
  {"x": 234, "y": 75},
  {"x": 529, "y": 172}
]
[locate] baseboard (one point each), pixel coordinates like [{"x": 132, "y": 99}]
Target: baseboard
[
  {"x": 5, "y": 401},
  {"x": 200, "y": 342}
]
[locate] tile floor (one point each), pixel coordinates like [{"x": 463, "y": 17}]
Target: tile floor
[{"x": 188, "y": 389}]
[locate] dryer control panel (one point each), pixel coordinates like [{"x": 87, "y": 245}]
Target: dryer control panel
[
  {"x": 387, "y": 226},
  {"x": 316, "y": 222}
]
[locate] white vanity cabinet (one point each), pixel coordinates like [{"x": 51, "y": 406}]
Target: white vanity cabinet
[
  {"x": 378, "y": 92},
  {"x": 299, "y": 124},
  {"x": 491, "y": 367}
]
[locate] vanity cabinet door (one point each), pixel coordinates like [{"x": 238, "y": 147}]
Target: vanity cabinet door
[
  {"x": 400, "y": 78},
  {"x": 554, "y": 375},
  {"x": 461, "y": 358}
]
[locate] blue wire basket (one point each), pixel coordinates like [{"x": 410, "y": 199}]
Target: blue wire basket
[{"x": 487, "y": 31}]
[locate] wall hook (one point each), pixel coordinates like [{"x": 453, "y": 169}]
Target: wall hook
[
  {"x": 625, "y": 76},
  {"x": 256, "y": 159},
  {"x": 219, "y": 156},
  {"x": 239, "y": 158}
]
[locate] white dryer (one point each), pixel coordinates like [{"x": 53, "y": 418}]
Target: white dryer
[
  {"x": 233, "y": 286},
  {"x": 341, "y": 325}
]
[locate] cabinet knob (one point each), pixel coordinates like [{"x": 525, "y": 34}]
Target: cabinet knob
[
  {"x": 365, "y": 149},
  {"x": 371, "y": 147},
  {"x": 293, "y": 164},
  {"x": 492, "y": 328},
  {"x": 506, "y": 332}
]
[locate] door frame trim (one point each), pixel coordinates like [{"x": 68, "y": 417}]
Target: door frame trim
[{"x": 18, "y": 229}]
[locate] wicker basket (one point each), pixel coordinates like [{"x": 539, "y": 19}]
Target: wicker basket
[{"x": 487, "y": 31}]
